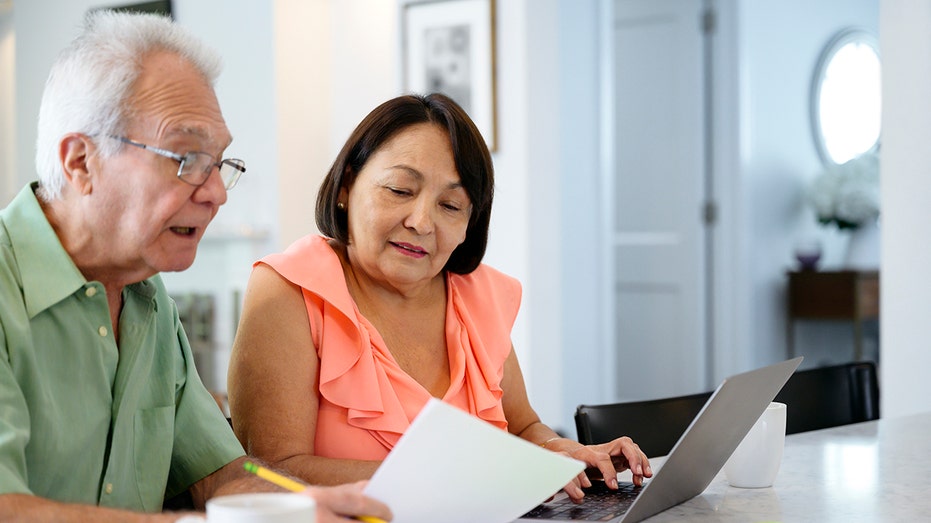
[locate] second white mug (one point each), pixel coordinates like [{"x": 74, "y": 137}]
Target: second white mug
[{"x": 755, "y": 462}]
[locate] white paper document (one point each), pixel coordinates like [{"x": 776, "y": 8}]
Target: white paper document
[{"x": 451, "y": 467}]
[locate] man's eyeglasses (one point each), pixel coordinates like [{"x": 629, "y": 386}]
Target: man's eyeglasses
[{"x": 196, "y": 166}]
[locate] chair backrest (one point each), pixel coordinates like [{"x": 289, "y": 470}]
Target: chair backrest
[
  {"x": 830, "y": 396},
  {"x": 655, "y": 425},
  {"x": 816, "y": 398}
]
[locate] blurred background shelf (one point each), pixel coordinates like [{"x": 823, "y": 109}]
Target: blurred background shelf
[{"x": 833, "y": 295}]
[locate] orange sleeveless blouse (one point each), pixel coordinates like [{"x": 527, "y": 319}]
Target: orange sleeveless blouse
[{"x": 366, "y": 400}]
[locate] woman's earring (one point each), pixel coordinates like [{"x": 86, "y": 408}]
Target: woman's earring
[{"x": 341, "y": 206}]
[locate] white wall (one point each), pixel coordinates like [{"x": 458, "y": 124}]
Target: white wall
[
  {"x": 578, "y": 236},
  {"x": 905, "y": 40},
  {"x": 329, "y": 75},
  {"x": 303, "y": 42},
  {"x": 543, "y": 186},
  {"x": 7, "y": 104},
  {"x": 780, "y": 42}
]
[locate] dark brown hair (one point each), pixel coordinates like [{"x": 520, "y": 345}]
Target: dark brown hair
[{"x": 472, "y": 159}]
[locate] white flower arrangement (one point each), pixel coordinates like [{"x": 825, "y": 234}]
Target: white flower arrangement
[{"x": 847, "y": 195}]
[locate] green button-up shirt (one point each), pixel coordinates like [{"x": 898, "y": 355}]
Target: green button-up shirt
[{"x": 83, "y": 419}]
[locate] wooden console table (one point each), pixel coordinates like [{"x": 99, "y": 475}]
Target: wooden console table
[{"x": 833, "y": 295}]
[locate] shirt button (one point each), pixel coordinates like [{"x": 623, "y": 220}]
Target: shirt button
[
  {"x": 109, "y": 488},
  {"x": 102, "y": 330},
  {"x": 90, "y": 292}
]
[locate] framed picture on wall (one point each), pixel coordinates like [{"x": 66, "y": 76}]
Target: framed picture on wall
[{"x": 449, "y": 47}]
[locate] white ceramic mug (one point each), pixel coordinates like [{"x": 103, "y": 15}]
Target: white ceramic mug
[
  {"x": 266, "y": 507},
  {"x": 755, "y": 462}
]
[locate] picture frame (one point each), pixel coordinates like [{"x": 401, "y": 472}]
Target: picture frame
[{"x": 449, "y": 47}]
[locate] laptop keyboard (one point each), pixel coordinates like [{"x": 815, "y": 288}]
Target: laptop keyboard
[{"x": 600, "y": 504}]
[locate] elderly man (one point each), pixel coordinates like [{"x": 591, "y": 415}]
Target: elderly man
[{"x": 102, "y": 414}]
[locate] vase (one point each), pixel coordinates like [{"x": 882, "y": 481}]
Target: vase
[{"x": 863, "y": 247}]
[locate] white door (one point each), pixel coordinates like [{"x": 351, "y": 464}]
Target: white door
[{"x": 656, "y": 227}]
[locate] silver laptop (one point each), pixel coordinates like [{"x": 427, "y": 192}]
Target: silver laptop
[{"x": 696, "y": 458}]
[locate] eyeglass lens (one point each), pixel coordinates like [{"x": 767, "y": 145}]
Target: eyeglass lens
[{"x": 196, "y": 168}]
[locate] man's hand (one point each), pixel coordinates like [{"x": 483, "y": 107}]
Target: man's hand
[{"x": 336, "y": 503}]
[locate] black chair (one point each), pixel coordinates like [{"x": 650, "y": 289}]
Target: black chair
[
  {"x": 830, "y": 396},
  {"x": 655, "y": 425},
  {"x": 816, "y": 398}
]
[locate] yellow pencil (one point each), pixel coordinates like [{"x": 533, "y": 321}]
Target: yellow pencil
[
  {"x": 274, "y": 477},
  {"x": 292, "y": 485}
]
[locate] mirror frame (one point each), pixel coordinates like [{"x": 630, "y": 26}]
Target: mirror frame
[{"x": 838, "y": 41}]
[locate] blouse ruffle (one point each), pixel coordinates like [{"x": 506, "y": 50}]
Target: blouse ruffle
[{"x": 360, "y": 376}]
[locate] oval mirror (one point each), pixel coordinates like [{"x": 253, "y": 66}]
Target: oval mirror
[{"x": 846, "y": 103}]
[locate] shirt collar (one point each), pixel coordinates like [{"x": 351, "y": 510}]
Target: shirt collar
[{"x": 47, "y": 271}]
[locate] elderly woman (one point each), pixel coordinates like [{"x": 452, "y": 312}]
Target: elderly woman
[{"x": 344, "y": 338}]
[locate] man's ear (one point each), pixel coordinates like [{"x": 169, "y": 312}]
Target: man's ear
[{"x": 74, "y": 152}]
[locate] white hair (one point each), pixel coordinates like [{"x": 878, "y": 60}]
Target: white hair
[{"x": 91, "y": 82}]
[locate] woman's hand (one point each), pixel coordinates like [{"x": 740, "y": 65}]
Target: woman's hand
[
  {"x": 334, "y": 504},
  {"x": 604, "y": 462},
  {"x": 605, "y": 459}
]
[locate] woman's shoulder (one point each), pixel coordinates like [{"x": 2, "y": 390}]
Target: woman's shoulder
[
  {"x": 490, "y": 297},
  {"x": 311, "y": 253},
  {"x": 308, "y": 262},
  {"x": 487, "y": 284},
  {"x": 310, "y": 244}
]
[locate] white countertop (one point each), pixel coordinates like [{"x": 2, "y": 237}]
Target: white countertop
[{"x": 873, "y": 471}]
